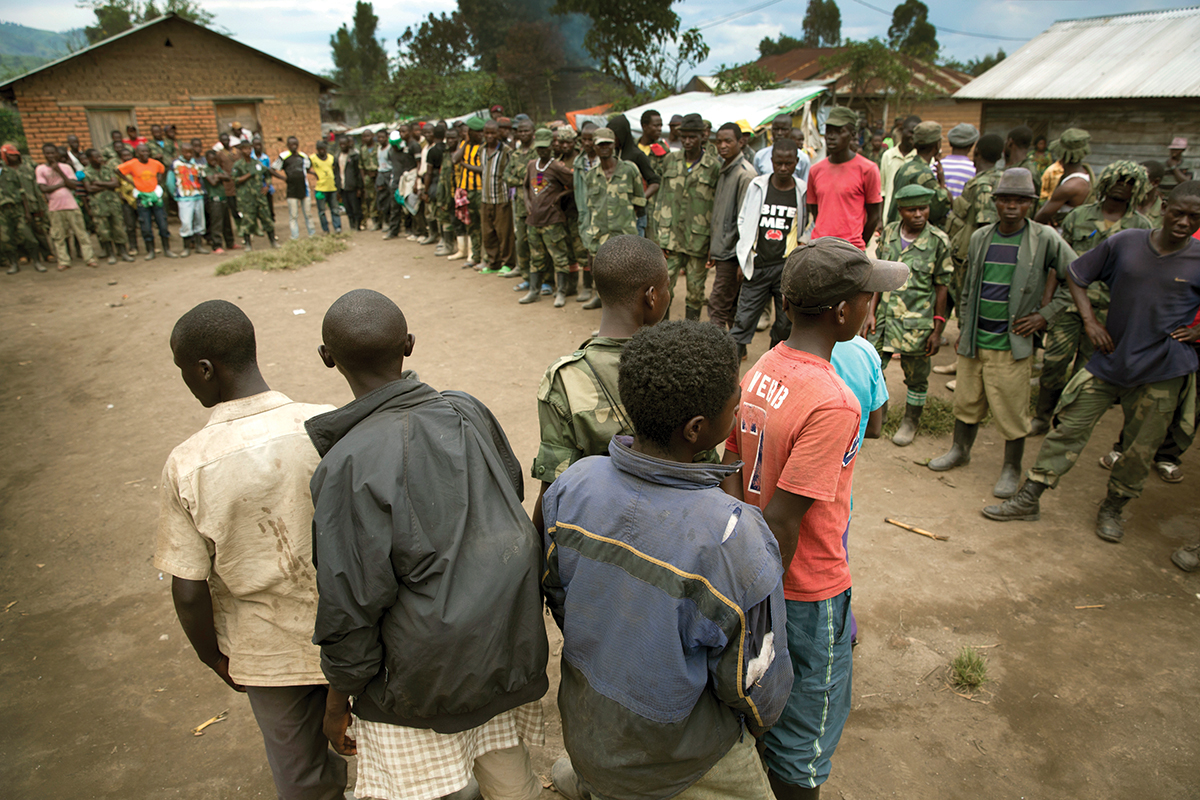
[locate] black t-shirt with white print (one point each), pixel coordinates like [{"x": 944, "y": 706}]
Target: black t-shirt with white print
[{"x": 777, "y": 217}]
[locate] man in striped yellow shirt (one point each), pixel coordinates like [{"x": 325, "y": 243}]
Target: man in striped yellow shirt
[{"x": 468, "y": 175}]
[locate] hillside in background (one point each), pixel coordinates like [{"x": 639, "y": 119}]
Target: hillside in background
[{"x": 22, "y": 48}]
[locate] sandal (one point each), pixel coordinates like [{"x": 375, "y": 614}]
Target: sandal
[
  {"x": 1171, "y": 473},
  {"x": 1109, "y": 459}
]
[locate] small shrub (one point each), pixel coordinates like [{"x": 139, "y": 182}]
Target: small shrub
[{"x": 968, "y": 670}]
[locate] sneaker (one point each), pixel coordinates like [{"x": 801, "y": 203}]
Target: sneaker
[
  {"x": 951, "y": 384},
  {"x": 1187, "y": 558},
  {"x": 1109, "y": 459},
  {"x": 1171, "y": 473}
]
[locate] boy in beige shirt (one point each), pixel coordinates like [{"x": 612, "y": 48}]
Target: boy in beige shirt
[{"x": 235, "y": 534}]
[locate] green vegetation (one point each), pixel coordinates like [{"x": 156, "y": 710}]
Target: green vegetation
[
  {"x": 291, "y": 255},
  {"x": 968, "y": 670},
  {"x": 937, "y": 419}
]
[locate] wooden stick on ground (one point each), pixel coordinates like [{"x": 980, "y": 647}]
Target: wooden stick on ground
[
  {"x": 907, "y": 527},
  {"x": 1078, "y": 608},
  {"x": 199, "y": 729}
]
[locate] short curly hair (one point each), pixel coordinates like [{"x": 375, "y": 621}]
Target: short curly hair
[
  {"x": 674, "y": 371},
  {"x": 216, "y": 330}
]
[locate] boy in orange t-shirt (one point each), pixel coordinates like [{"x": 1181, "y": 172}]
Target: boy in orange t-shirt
[
  {"x": 798, "y": 434},
  {"x": 143, "y": 173}
]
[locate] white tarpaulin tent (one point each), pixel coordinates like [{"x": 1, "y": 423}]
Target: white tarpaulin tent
[{"x": 758, "y": 108}]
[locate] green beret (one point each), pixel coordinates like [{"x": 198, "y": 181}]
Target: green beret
[
  {"x": 840, "y": 116},
  {"x": 913, "y": 195},
  {"x": 475, "y": 123},
  {"x": 927, "y": 133}
]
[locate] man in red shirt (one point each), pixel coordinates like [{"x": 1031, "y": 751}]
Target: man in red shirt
[
  {"x": 798, "y": 434},
  {"x": 844, "y": 198}
]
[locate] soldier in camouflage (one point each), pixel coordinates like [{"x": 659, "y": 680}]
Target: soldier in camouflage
[
  {"x": 369, "y": 163},
  {"x": 547, "y": 182},
  {"x": 584, "y": 162},
  {"x": 909, "y": 321},
  {"x": 452, "y": 227},
  {"x": 1121, "y": 187},
  {"x": 683, "y": 213},
  {"x": 514, "y": 175},
  {"x": 253, "y": 216},
  {"x": 101, "y": 180},
  {"x": 566, "y": 150},
  {"x": 16, "y": 236},
  {"x": 928, "y": 140},
  {"x": 613, "y": 193}
]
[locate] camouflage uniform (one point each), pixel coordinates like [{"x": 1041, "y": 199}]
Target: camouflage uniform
[
  {"x": 612, "y": 202},
  {"x": 106, "y": 206},
  {"x": 15, "y": 234},
  {"x": 581, "y": 166},
  {"x": 367, "y": 158},
  {"x": 656, "y": 164},
  {"x": 1068, "y": 347},
  {"x": 918, "y": 172},
  {"x": 1034, "y": 168},
  {"x": 548, "y": 245},
  {"x": 904, "y": 318},
  {"x": 164, "y": 152},
  {"x": 514, "y": 175},
  {"x": 253, "y": 216},
  {"x": 1148, "y": 408},
  {"x": 971, "y": 211},
  {"x": 39, "y": 206},
  {"x": 683, "y": 220}
]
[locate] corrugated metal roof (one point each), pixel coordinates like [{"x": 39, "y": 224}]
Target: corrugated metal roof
[{"x": 1154, "y": 54}]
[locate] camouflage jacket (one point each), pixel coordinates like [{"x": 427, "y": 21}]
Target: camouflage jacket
[
  {"x": 367, "y": 159},
  {"x": 904, "y": 318},
  {"x": 37, "y": 199},
  {"x": 11, "y": 191},
  {"x": 106, "y": 201},
  {"x": 514, "y": 175},
  {"x": 612, "y": 202},
  {"x": 684, "y": 204},
  {"x": 164, "y": 152},
  {"x": 971, "y": 211},
  {"x": 918, "y": 172},
  {"x": 249, "y": 193},
  {"x": 579, "y": 409},
  {"x": 1034, "y": 169},
  {"x": 1084, "y": 228}
]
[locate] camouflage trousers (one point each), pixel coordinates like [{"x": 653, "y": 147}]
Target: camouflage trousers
[
  {"x": 254, "y": 219},
  {"x": 1149, "y": 410},
  {"x": 110, "y": 225},
  {"x": 16, "y": 237},
  {"x": 576, "y": 251},
  {"x": 916, "y": 375},
  {"x": 548, "y": 247},
  {"x": 695, "y": 272},
  {"x": 1068, "y": 349},
  {"x": 368, "y": 201},
  {"x": 475, "y": 226},
  {"x": 521, "y": 246}
]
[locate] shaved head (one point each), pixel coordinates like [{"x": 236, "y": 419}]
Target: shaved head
[
  {"x": 364, "y": 330},
  {"x": 624, "y": 264},
  {"x": 218, "y": 331}
]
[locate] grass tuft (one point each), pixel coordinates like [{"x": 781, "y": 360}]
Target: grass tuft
[
  {"x": 291, "y": 255},
  {"x": 968, "y": 670},
  {"x": 936, "y": 420}
]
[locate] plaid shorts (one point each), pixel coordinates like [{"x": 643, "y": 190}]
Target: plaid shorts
[{"x": 420, "y": 764}]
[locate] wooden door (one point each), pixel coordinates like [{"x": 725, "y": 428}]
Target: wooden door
[
  {"x": 101, "y": 121},
  {"x": 245, "y": 113}
]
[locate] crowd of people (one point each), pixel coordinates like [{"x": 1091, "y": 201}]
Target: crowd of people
[{"x": 704, "y": 597}]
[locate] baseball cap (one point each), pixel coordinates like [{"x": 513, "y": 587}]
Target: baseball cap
[
  {"x": 542, "y": 137},
  {"x": 744, "y": 126},
  {"x": 840, "y": 116},
  {"x": 10, "y": 149},
  {"x": 601, "y": 135},
  {"x": 819, "y": 275}
]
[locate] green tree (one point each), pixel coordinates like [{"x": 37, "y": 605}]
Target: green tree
[
  {"x": 118, "y": 16},
  {"x": 875, "y": 72},
  {"x": 441, "y": 44},
  {"x": 530, "y": 60},
  {"x": 637, "y": 43},
  {"x": 911, "y": 32},
  {"x": 773, "y": 47},
  {"x": 360, "y": 63},
  {"x": 822, "y": 24},
  {"x": 746, "y": 78}
]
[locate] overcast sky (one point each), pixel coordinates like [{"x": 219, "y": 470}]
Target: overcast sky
[{"x": 298, "y": 31}]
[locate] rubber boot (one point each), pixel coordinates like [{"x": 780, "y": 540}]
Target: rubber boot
[
  {"x": 186, "y": 250},
  {"x": 461, "y": 252},
  {"x": 1010, "y": 473},
  {"x": 149, "y": 250},
  {"x": 110, "y": 252},
  {"x": 560, "y": 289},
  {"x": 40, "y": 267},
  {"x": 586, "y": 294},
  {"x": 167, "y": 251},
  {"x": 535, "y": 289},
  {"x": 959, "y": 454},
  {"x": 1024, "y": 505},
  {"x": 445, "y": 245},
  {"x": 123, "y": 251},
  {"x": 473, "y": 258},
  {"x": 571, "y": 283},
  {"x": 1043, "y": 419},
  {"x": 594, "y": 303},
  {"x": 1108, "y": 519},
  {"x": 692, "y": 314},
  {"x": 271, "y": 238},
  {"x": 200, "y": 247},
  {"x": 908, "y": 428},
  {"x": 247, "y": 244}
]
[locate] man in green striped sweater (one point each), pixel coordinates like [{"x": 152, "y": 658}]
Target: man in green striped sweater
[{"x": 1013, "y": 267}]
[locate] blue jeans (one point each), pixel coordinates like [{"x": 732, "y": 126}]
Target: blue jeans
[
  {"x": 329, "y": 199},
  {"x": 148, "y": 215},
  {"x": 800, "y": 745}
]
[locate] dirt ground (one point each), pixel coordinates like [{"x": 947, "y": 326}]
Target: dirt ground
[{"x": 101, "y": 689}]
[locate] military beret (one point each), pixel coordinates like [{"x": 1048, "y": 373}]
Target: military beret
[
  {"x": 963, "y": 135},
  {"x": 928, "y": 132},
  {"x": 840, "y": 116},
  {"x": 913, "y": 195},
  {"x": 475, "y": 123}
]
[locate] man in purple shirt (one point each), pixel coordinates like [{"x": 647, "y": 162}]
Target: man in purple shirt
[{"x": 1144, "y": 359}]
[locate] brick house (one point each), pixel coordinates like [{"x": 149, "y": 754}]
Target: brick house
[{"x": 168, "y": 70}]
